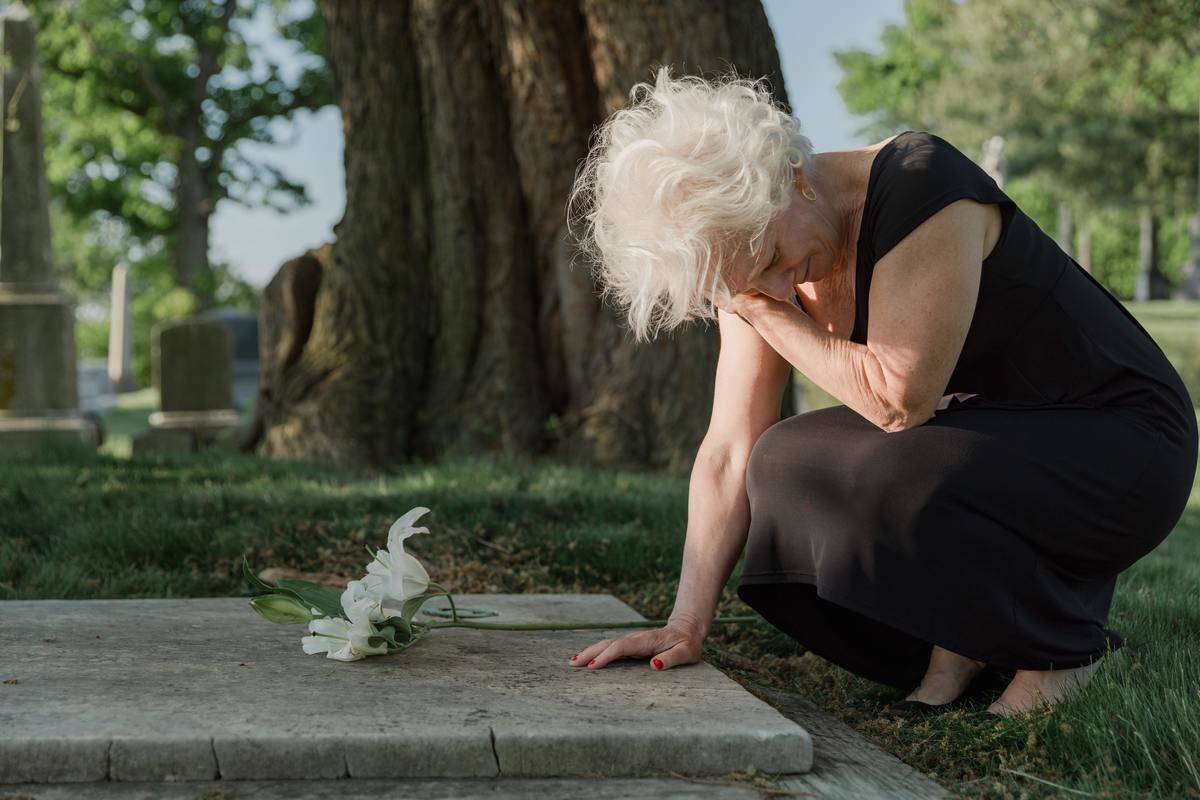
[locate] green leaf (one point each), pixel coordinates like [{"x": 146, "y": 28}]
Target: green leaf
[
  {"x": 413, "y": 604},
  {"x": 325, "y": 599},
  {"x": 255, "y": 581},
  {"x": 281, "y": 608},
  {"x": 389, "y": 634}
]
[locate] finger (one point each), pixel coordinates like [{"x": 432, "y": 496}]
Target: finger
[
  {"x": 633, "y": 645},
  {"x": 581, "y": 658},
  {"x": 685, "y": 652}
]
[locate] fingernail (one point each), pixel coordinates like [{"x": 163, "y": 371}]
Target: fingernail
[
  {"x": 575, "y": 656},
  {"x": 593, "y": 661},
  {"x": 657, "y": 662}
]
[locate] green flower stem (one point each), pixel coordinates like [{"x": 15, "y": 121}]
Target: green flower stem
[
  {"x": 540, "y": 626},
  {"x": 449, "y": 597}
]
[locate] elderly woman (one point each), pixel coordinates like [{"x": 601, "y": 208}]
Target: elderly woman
[{"x": 1009, "y": 439}]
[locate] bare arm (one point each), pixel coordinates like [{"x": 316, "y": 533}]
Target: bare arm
[
  {"x": 748, "y": 389},
  {"x": 923, "y": 295},
  {"x": 718, "y": 520}
]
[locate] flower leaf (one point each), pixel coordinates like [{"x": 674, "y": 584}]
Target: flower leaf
[
  {"x": 413, "y": 604},
  {"x": 326, "y": 599},
  {"x": 255, "y": 581}
]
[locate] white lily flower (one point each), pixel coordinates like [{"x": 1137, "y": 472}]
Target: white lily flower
[
  {"x": 394, "y": 575},
  {"x": 348, "y": 640},
  {"x": 341, "y": 639},
  {"x": 359, "y": 601}
]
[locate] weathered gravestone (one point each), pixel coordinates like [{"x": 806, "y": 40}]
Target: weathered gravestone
[
  {"x": 193, "y": 371},
  {"x": 39, "y": 400},
  {"x": 180, "y": 698},
  {"x": 204, "y": 689},
  {"x": 243, "y": 327}
]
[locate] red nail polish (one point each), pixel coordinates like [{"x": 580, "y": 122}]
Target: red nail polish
[
  {"x": 657, "y": 662},
  {"x": 575, "y": 656},
  {"x": 593, "y": 661}
]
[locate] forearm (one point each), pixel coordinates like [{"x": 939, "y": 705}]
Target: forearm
[
  {"x": 718, "y": 521},
  {"x": 847, "y": 370}
]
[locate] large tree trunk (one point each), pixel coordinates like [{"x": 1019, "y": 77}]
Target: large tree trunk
[
  {"x": 450, "y": 316},
  {"x": 195, "y": 208}
]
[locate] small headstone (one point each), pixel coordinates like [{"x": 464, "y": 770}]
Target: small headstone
[
  {"x": 193, "y": 371},
  {"x": 39, "y": 395},
  {"x": 120, "y": 332},
  {"x": 96, "y": 394},
  {"x": 243, "y": 327}
]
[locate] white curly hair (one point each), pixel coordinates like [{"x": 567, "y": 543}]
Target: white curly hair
[{"x": 676, "y": 185}]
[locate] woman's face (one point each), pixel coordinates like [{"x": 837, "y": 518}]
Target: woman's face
[{"x": 801, "y": 245}]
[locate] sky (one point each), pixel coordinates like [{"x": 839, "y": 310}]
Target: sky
[{"x": 257, "y": 241}]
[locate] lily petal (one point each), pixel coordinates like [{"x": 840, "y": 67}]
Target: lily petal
[{"x": 403, "y": 528}]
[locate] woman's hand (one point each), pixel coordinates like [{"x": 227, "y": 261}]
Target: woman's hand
[
  {"x": 672, "y": 645},
  {"x": 753, "y": 306}
]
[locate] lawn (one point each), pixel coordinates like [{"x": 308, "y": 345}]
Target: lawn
[{"x": 102, "y": 526}]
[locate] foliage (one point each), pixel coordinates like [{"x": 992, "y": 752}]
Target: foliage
[
  {"x": 145, "y": 103},
  {"x": 1097, "y": 103},
  {"x": 891, "y": 86}
]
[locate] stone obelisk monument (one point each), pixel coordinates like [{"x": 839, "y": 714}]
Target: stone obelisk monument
[
  {"x": 120, "y": 332},
  {"x": 39, "y": 394}
]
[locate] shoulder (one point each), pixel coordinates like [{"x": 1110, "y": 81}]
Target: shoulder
[
  {"x": 922, "y": 164},
  {"x": 919, "y": 174},
  {"x": 920, "y": 153}
]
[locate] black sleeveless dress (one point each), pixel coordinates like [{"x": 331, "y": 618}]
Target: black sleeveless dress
[{"x": 1065, "y": 450}]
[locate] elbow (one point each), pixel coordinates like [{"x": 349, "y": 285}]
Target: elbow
[{"x": 904, "y": 417}]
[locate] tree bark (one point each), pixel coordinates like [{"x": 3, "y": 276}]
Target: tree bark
[
  {"x": 1066, "y": 229},
  {"x": 192, "y": 200},
  {"x": 453, "y": 314},
  {"x": 1085, "y": 248},
  {"x": 1150, "y": 283}
]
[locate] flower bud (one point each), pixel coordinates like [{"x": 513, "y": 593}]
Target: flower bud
[{"x": 281, "y": 608}]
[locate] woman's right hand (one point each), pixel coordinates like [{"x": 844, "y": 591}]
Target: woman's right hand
[{"x": 672, "y": 645}]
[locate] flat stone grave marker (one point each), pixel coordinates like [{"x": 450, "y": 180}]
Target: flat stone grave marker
[{"x": 204, "y": 689}]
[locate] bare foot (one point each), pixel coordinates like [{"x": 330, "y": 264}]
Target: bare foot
[
  {"x": 1031, "y": 689},
  {"x": 947, "y": 677}
]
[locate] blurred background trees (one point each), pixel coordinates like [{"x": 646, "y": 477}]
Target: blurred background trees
[
  {"x": 1098, "y": 103},
  {"x": 145, "y": 104}
]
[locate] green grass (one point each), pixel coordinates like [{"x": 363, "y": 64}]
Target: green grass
[{"x": 177, "y": 527}]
